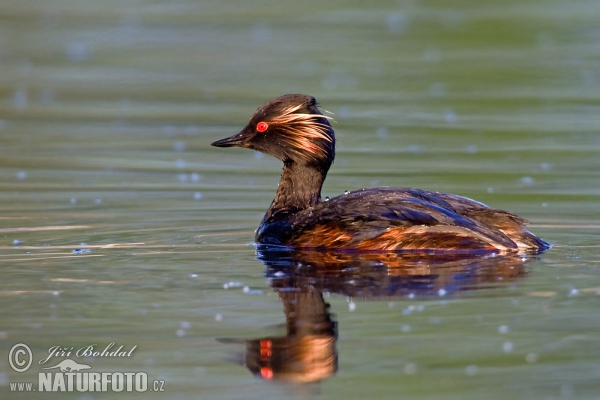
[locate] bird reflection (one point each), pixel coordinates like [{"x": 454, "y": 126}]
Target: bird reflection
[{"x": 307, "y": 352}]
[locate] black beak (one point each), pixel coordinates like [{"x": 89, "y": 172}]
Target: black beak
[{"x": 235, "y": 140}]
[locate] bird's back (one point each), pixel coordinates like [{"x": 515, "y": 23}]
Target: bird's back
[{"x": 387, "y": 218}]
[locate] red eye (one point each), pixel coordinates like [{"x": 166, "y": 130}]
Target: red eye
[{"x": 262, "y": 126}]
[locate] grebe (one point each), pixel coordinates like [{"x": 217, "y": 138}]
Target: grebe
[{"x": 292, "y": 129}]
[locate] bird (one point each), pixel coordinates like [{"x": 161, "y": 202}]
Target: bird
[{"x": 292, "y": 129}]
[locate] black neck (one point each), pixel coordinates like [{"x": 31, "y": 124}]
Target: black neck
[{"x": 299, "y": 188}]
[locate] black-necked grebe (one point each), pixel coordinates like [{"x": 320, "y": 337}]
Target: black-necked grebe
[{"x": 292, "y": 129}]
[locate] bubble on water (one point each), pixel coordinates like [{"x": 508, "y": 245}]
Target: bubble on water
[
  {"x": 503, "y": 329},
  {"x": 179, "y": 146},
  {"x": 545, "y": 166},
  {"x": 382, "y": 132},
  {"x": 180, "y": 333},
  {"x": 17, "y": 242},
  {"x": 531, "y": 358},
  {"x": 410, "y": 369},
  {"x": 414, "y": 148},
  {"x": 527, "y": 180},
  {"x": 411, "y": 296},
  {"x": 193, "y": 275},
  {"x": 442, "y": 292},
  {"x": 351, "y": 306},
  {"x": 77, "y": 51},
  {"x": 246, "y": 289},
  {"x": 450, "y": 117},
  {"x": 185, "y": 325},
  {"x": 21, "y": 98},
  {"x": 73, "y": 200},
  {"x": 218, "y": 317},
  {"x": 471, "y": 149},
  {"x": 471, "y": 370},
  {"x": 180, "y": 164},
  {"x": 98, "y": 201},
  {"x": 396, "y": 22},
  {"x": 405, "y": 328},
  {"x": 197, "y": 196},
  {"x": 573, "y": 292},
  {"x": 195, "y": 177},
  {"x": 507, "y": 347}
]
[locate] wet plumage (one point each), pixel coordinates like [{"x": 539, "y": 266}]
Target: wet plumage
[{"x": 292, "y": 129}]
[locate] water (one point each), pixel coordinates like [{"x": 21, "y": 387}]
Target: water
[{"x": 120, "y": 224}]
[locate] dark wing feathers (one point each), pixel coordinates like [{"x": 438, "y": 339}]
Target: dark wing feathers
[{"x": 367, "y": 213}]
